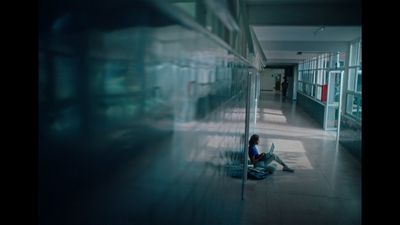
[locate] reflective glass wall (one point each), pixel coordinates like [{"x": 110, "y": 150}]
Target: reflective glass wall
[{"x": 139, "y": 123}]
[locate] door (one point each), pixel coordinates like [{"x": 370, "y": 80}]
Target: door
[{"x": 333, "y": 101}]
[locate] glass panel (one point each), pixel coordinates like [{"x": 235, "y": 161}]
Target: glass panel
[
  {"x": 129, "y": 87},
  {"x": 353, "y": 100},
  {"x": 332, "y": 61},
  {"x": 342, "y": 59},
  {"x": 321, "y": 77},
  {"x": 312, "y": 90},
  {"x": 360, "y": 55},
  {"x": 300, "y": 86},
  {"x": 331, "y": 90},
  {"x": 352, "y": 77},
  {"x": 334, "y": 88},
  {"x": 354, "y": 105},
  {"x": 326, "y": 61},
  {"x": 349, "y": 103},
  {"x": 333, "y": 100},
  {"x": 312, "y": 78},
  {"x": 354, "y": 49},
  {"x": 332, "y": 117},
  {"x": 336, "y": 61},
  {"x": 359, "y": 80},
  {"x": 358, "y": 103},
  {"x": 319, "y": 62},
  {"x": 319, "y": 92},
  {"x": 337, "y": 88}
]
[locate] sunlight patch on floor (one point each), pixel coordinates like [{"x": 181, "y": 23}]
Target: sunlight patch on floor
[
  {"x": 275, "y": 118},
  {"x": 292, "y": 131},
  {"x": 273, "y": 111},
  {"x": 292, "y": 152},
  {"x": 296, "y": 160},
  {"x": 283, "y": 145}
]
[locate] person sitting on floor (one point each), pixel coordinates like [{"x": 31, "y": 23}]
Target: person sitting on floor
[{"x": 263, "y": 159}]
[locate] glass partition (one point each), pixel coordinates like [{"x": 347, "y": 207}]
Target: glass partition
[
  {"x": 140, "y": 120},
  {"x": 316, "y": 81}
]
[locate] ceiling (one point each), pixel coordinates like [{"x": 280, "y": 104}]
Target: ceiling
[
  {"x": 307, "y": 33},
  {"x": 286, "y": 27}
]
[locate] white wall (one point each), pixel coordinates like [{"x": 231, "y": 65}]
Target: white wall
[{"x": 267, "y": 78}]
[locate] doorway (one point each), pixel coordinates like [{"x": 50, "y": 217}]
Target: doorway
[{"x": 270, "y": 79}]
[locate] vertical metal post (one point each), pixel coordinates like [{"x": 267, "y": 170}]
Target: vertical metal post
[
  {"x": 246, "y": 133},
  {"x": 256, "y": 95},
  {"x": 326, "y": 101},
  {"x": 340, "y": 105}
]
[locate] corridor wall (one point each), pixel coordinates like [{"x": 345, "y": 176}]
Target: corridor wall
[{"x": 138, "y": 123}]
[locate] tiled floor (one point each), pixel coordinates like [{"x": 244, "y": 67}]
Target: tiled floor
[
  {"x": 326, "y": 186},
  {"x": 188, "y": 185}
]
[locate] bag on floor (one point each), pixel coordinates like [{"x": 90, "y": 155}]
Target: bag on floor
[{"x": 256, "y": 173}]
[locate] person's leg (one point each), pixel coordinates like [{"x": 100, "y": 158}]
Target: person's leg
[
  {"x": 264, "y": 162},
  {"x": 279, "y": 160},
  {"x": 266, "y": 167},
  {"x": 276, "y": 158}
]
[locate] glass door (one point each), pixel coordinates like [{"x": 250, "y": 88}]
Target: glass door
[{"x": 333, "y": 101}]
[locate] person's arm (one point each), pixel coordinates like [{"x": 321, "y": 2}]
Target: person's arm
[{"x": 260, "y": 157}]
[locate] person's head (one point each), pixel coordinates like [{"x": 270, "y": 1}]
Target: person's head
[{"x": 254, "y": 139}]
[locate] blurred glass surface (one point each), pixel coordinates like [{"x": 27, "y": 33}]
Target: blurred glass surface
[{"x": 138, "y": 125}]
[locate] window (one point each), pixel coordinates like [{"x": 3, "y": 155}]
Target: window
[
  {"x": 354, "y": 83},
  {"x": 313, "y": 73},
  {"x": 353, "y": 105}
]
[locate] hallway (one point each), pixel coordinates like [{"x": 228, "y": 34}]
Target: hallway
[
  {"x": 326, "y": 185},
  {"x": 144, "y": 110}
]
